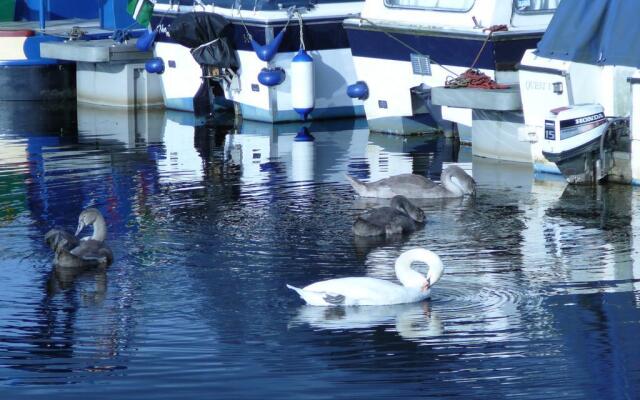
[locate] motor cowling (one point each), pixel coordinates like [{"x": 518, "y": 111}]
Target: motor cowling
[
  {"x": 572, "y": 137},
  {"x": 568, "y": 128}
]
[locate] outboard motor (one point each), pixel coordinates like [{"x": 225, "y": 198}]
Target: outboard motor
[
  {"x": 572, "y": 140},
  {"x": 211, "y": 41}
]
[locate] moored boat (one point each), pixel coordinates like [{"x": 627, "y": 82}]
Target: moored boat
[
  {"x": 404, "y": 48},
  {"x": 287, "y": 57}
]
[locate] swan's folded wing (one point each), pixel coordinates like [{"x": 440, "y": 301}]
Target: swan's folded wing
[
  {"x": 94, "y": 251},
  {"x": 59, "y": 239},
  {"x": 412, "y": 181},
  {"x": 319, "y": 298},
  {"x": 333, "y": 299},
  {"x": 357, "y": 290}
]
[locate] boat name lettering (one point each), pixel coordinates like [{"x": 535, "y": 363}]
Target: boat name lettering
[{"x": 538, "y": 85}]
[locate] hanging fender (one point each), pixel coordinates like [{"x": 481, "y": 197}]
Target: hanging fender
[
  {"x": 302, "y": 83},
  {"x": 269, "y": 50},
  {"x": 154, "y": 65},
  {"x": 358, "y": 90},
  {"x": 145, "y": 41},
  {"x": 271, "y": 76},
  {"x": 304, "y": 135}
]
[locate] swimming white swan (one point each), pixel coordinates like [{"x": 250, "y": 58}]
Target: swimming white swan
[
  {"x": 366, "y": 291},
  {"x": 455, "y": 182},
  {"x": 402, "y": 216},
  {"x": 71, "y": 252}
]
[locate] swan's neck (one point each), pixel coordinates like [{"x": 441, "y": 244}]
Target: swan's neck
[
  {"x": 412, "y": 278},
  {"x": 99, "y": 229},
  {"x": 451, "y": 186}
]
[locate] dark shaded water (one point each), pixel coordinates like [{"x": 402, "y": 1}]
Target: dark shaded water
[{"x": 540, "y": 298}]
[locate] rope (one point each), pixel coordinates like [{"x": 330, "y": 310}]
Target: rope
[
  {"x": 469, "y": 78},
  {"x": 405, "y": 44},
  {"x": 122, "y": 35},
  {"x": 245, "y": 26},
  {"x": 200, "y": 3},
  {"x": 301, "y": 30},
  {"x": 204, "y": 45},
  {"x": 242, "y": 22},
  {"x": 491, "y": 29},
  {"x": 473, "y": 78}
]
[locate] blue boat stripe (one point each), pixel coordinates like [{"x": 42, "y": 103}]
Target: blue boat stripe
[
  {"x": 455, "y": 51},
  {"x": 318, "y": 35}
]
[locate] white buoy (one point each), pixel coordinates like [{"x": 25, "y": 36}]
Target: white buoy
[{"x": 302, "y": 90}]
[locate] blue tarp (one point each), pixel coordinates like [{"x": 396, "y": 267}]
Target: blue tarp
[{"x": 601, "y": 32}]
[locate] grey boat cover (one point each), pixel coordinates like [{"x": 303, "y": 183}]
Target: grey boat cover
[{"x": 598, "y": 32}]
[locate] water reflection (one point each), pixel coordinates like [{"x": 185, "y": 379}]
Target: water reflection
[
  {"x": 588, "y": 233},
  {"x": 410, "y": 321},
  {"x": 339, "y": 146},
  {"x": 208, "y": 223},
  {"x": 62, "y": 279}
]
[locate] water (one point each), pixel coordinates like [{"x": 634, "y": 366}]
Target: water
[{"x": 540, "y": 298}]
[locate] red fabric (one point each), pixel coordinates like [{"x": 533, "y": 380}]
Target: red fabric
[{"x": 16, "y": 33}]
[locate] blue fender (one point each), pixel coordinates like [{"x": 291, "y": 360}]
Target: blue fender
[
  {"x": 271, "y": 76},
  {"x": 304, "y": 135},
  {"x": 358, "y": 90},
  {"x": 269, "y": 50},
  {"x": 145, "y": 41},
  {"x": 154, "y": 65}
]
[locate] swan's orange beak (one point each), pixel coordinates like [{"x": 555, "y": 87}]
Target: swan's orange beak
[{"x": 426, "y": 285}]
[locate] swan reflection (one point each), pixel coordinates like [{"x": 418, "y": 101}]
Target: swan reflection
[
  {"x": 410, "y": 321},
  {"x": 63, "y": 279}
]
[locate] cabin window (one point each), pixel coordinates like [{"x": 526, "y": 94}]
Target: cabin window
[
  {"x": 440, "y": 5},
  {"x": 535, "y": 6}
]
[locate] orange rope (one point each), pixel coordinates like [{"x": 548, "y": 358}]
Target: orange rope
[{"x": 472, "y": 77}]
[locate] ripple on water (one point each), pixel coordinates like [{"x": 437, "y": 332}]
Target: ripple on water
[{"x": 196, "y": 301}]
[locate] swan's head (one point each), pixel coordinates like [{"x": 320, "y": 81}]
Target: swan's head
[
  {"x": 403, "y": 204},
  {"x": 88, "y": 217},
  {"x": 458, "y": 181}
]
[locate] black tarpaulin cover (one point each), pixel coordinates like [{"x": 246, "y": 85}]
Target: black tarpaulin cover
[
  {"x": 208, "y": 35},
  {"x": 599, "y": 32}
]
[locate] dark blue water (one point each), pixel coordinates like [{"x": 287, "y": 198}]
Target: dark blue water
[{"x": 540, "y": 298}]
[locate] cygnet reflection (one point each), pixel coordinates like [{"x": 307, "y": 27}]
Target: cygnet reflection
[
  {"x": 411, "y": 321},
  {"x": 91, "y": 283}
]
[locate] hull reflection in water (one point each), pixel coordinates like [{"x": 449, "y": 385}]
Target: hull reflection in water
[
  {"x": 304, "y": 152},
  {"x": 322, "y": 151}
]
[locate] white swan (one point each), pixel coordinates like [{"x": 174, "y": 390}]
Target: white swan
[
  {"x": 372, "y": 291},
  {"x": 455, "y": 182}
]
